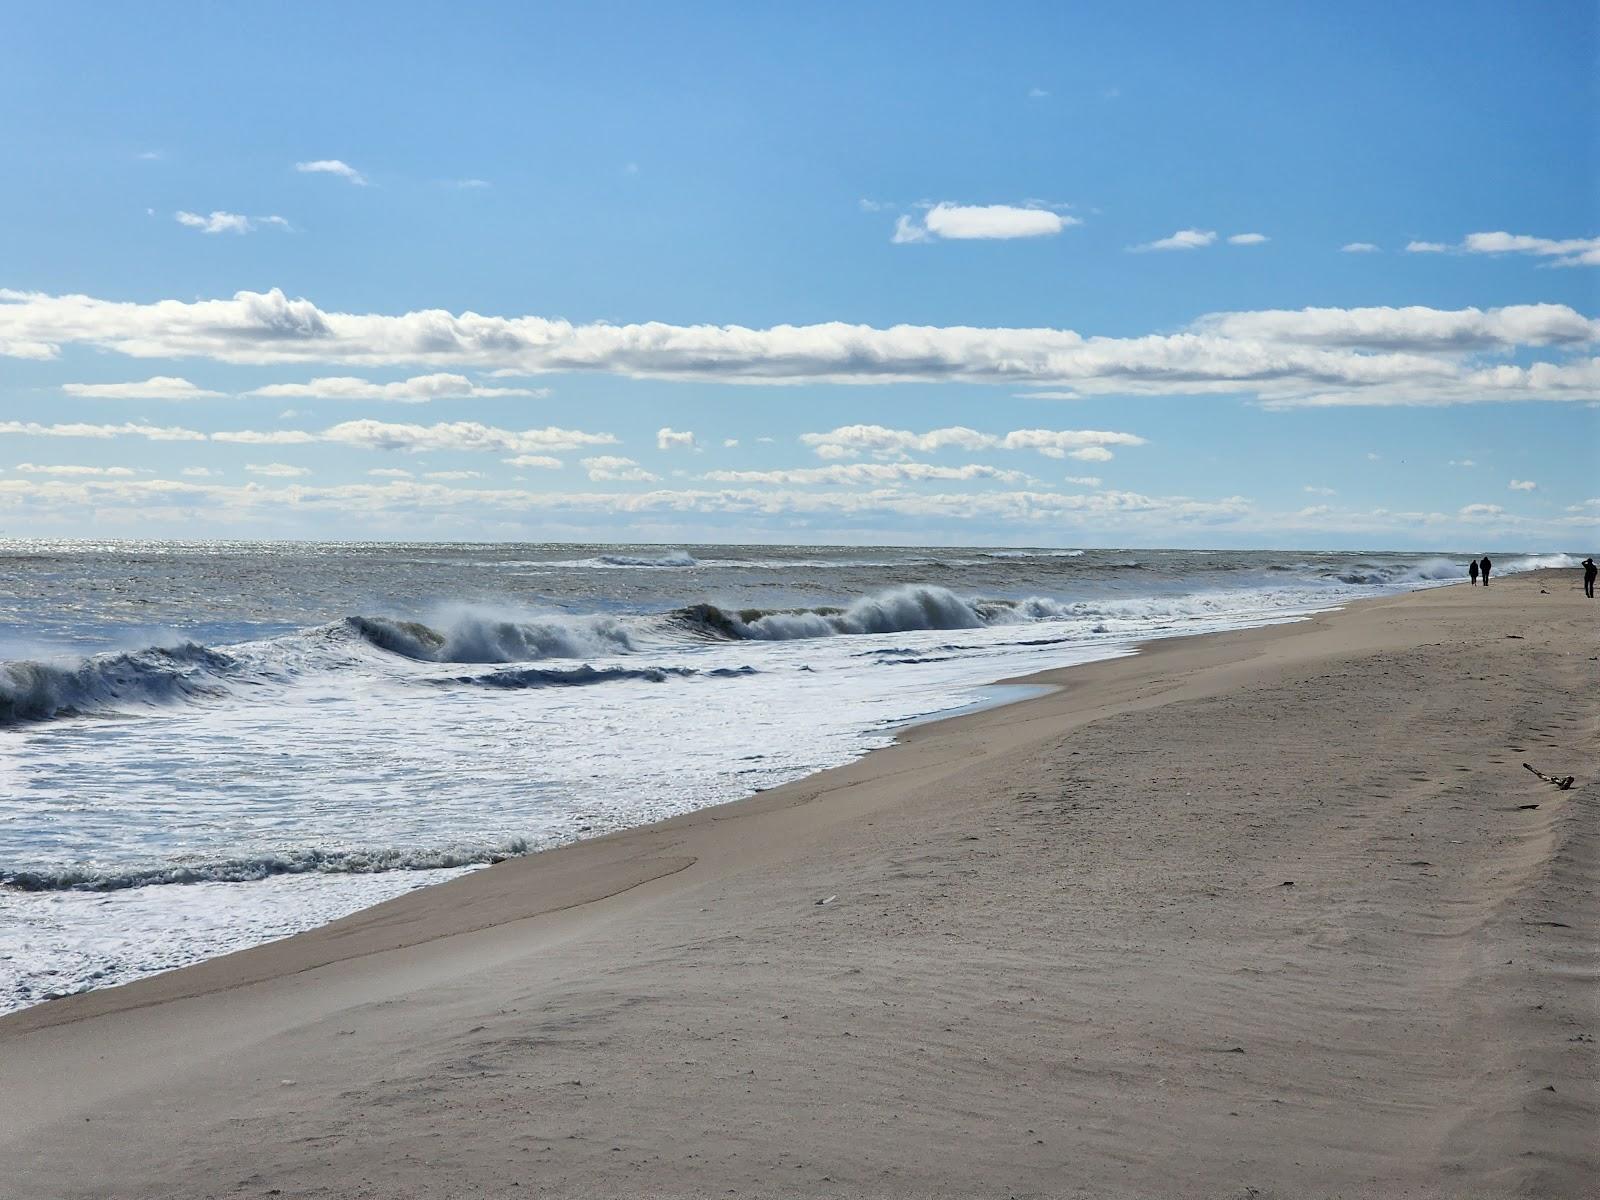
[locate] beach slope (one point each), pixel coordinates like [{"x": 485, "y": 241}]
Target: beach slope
[{"x": 1268, "y": 913}]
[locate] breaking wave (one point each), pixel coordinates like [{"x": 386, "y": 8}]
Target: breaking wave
[
  {"x": 475, "y": 636},
  {"x": 156, "y": 675},
  {"x": 261, "y": 866}
]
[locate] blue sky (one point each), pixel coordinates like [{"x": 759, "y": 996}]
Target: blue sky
[{"x": 943, "y": 275}]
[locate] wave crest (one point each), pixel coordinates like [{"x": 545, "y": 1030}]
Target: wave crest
[{"x": 156, "y": 675}]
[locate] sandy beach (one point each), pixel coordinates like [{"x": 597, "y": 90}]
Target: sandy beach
[{"x": 1273, "y": 913}]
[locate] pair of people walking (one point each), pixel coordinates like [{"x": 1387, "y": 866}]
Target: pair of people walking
[{"x": 1478, "y": 567}]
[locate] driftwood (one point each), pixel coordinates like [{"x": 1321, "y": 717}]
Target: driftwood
[{"x": 1563, "y": 783}]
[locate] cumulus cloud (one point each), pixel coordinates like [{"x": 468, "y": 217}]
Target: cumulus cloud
[
  {"x": 1319, "y": 491},
  {"x": 674, "y": 439},
  {"x": 276, "y": 470},
  {"x": 1473, "y": 511},
  {"x": 1523, "y": 485},
  {"x": 1315, "y": 356},
  {"x": 199, "y": 472},
  {"x": 332, "y": 166},
  {"x": 452, "y": 475},
  {"x": 1247, "y": 239},
  {"x": 970, "y": 222},
  {"x": 611, "y": 467},
  {"x": 1359, "y": 248},
  {"x": 157, "y": 387},
  {"x": 419, "y": 389},
  {"x": 71, "y": 471},
  {"x": 1184, "y": 239},
  {"x": 227, "y": 222},
  {"x": 852, "y": 441},
  {"x": 1426, "y": 248},
  {"x": 389, "y": 473}
]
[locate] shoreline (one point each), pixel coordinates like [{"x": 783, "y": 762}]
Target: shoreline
[{"x": 672, "y": 912}]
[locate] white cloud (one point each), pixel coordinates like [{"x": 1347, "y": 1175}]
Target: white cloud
[
  {"x": 276, "y": 470},
  {"x": 1563, "y": 252},
  {"x": 452, "y": 475},
  {"x": 674, "y": 439},
  {"x": 1523, "y": 485},
  {"x": 1319, "y": 491},
  {"x": 1359, "y": 248},
  {"x": 1184, "y": 239},
  {"x": 366, "y": 433},
  {"x": 967, "y": 222},
  {"x": 82, "y": 429},
  {"x": 851, "y": 441},
  {"x": 729, "y": 443},
  {"x": 543, "y": 462},
  {"x": 227, "y": 222},
  {"x": 332, "y": 166},
  {"x": 1037, "y": 93},
  {"x": 470, "y": 185},
  {"x": 419, "y": 389},
  {"x": 870, "y": 474},
  {"x": 157, "y": 387},
  {"x": 389, "y": 473},
  {"x": 1311, "y": 357},
  {"x": 1473, "y": 511},
  {"x": 1462, "y": 462},
  {"x": 199, "y": 472},
  {"x": 1247, "y": 239},
  {"x": 614, "y": 468},
  {"x": 69, "y": 471}
]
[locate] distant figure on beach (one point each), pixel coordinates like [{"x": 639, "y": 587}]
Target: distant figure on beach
[
  {"x": 1472, "y": 570},
  {"x": 1589, "y": 571},
  {"x": 1483, "y": 569}
]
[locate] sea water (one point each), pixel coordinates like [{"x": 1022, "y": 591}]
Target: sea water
[{"x": 207, "y": 745}]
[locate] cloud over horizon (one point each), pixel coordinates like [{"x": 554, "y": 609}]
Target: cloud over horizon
[{"x": 1284, "y": 358}]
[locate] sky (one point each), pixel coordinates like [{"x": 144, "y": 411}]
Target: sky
[{"x": 1275, "y": 275}]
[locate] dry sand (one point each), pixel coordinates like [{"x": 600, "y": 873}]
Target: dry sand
[{"x": 1063, "y": 957}]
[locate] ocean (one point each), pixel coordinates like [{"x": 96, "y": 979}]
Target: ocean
[{"x": 207, "y": 745}]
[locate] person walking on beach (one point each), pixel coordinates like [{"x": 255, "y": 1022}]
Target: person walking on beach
[
  {"x": 1483, "y": 569},
  {"x": 1589, "y": 572},
  {"x": 1472, "y": 570}
]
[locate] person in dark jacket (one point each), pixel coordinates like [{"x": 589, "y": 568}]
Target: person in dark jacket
[
  {"x": 1483, "y": 569},
  {"x": 1472, "y": 570},
  {"x": 1589, "y": 571}
]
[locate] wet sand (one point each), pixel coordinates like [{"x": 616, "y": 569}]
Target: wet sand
[{"x": 1246, "y": 915}]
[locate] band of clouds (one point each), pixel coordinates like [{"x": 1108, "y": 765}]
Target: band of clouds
[
  {"x": 419, "y": 389},
  {"x": 1378, "y": 355},
  {"x": 469, "y": 436},
  {"x": 852, "y": 441},
  {"x": 403, "y": 501}
]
